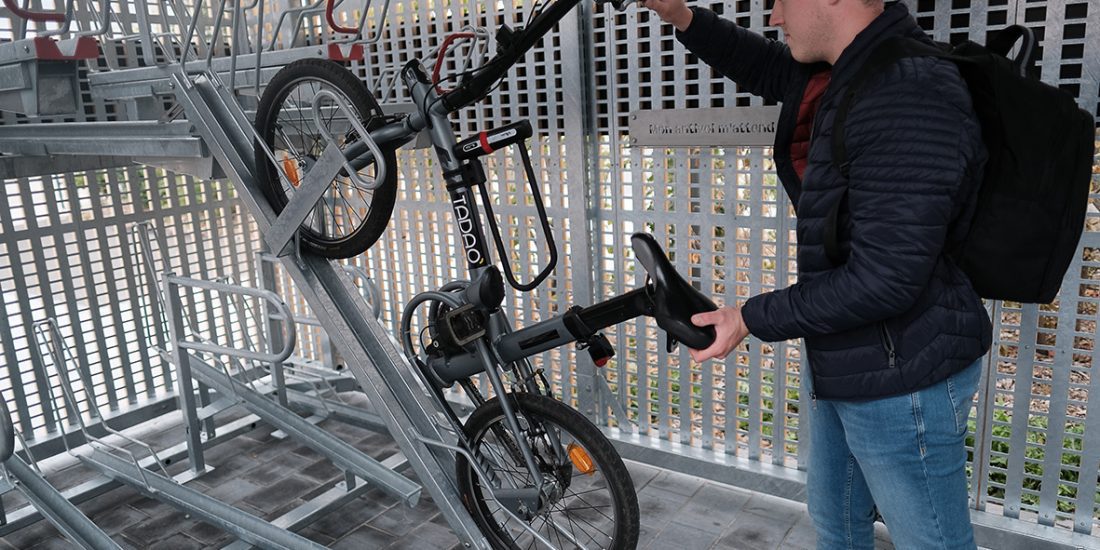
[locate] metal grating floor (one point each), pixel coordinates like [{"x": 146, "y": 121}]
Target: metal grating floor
[{"x": 267, "y": 476}]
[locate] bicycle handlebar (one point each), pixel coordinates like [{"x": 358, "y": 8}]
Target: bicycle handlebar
[{"x": 475, "y": 88}]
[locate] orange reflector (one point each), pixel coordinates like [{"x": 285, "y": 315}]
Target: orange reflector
[
  {"x": 291, "y": 169},
  {"x": 580, "y": 459}
]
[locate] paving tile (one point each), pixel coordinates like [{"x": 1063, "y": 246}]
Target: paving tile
[
  {"x": 97, "y": 506},
  {"x": 316, "y": 537},
  {"x": 802, "y": 535},
  {"x": 423, "y": 537},
  {"x": 657, "y": 506},
  {"x": 179, "y": 541},
  {"x": 151, "y": 506},
  {"x": 679, "y": 536},
  {"x": 69, "y": 477},
  {"x": 353, "y": 514},
  {"x": 13, "y": 500},
  {"x": 157, "y": 528},
  {"x": 206, "y": 533},
  {"x": 750, "y": 532},
  {"x": 322, "y": 470},
  {"x": 363, "y": 538},
  {"x": 224, "y": 470},
  {"x": 775, "y": 509},
  {"x": 114, "y": 520},
  {"x": 675, "y": 482},
  {"x": 306, "y": 451},
  {"x": 233, "y": 490},
  {"x": 704, "y": 518},
  {"x": 229, "y": 450},
  {"x": 275, "y": 495},
  {"x": 400, "y": 519},
  {"x": 165, "y": 438},
  {"x": 31, "y": 534},
  {"x": 54, "y": 543},
  {"x": 271, "y": 450},
  {"x": 125, "y": 543},
  {"x": 279, "y": 467},
  {"x": 380, "y": 497},
  {"x": 716, "y": 495},
  {"x": 640, "y": 473}
]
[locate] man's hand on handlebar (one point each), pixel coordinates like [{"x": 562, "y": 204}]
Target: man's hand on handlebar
[
  {"x": 671, "y": 11},
  {"x": 729, "y": 328}
]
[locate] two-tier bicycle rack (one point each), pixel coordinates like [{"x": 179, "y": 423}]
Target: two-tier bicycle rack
[{"x": 185, "y": 108}]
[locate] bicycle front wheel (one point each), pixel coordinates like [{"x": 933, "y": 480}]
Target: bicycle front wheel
[
  {"x": 350, "y": 216},
  {"x": 591, "y": 502}
]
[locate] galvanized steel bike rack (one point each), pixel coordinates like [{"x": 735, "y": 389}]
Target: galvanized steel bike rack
[
  {"x": 15, "y": 473},
  {"x": 111, "y": 459}
]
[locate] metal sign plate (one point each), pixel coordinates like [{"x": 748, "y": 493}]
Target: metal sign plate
[{"x": 724, "y": 127}]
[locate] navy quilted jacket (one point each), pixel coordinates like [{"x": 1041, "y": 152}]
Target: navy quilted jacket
[{"x": 899, "y": 315}]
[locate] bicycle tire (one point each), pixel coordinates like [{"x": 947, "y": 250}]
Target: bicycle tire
[
  {"x": 615, "y": 477},
  {"x": 346, "y": 237}
]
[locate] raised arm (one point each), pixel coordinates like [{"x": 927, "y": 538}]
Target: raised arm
[{"x": 761, "y": 66}]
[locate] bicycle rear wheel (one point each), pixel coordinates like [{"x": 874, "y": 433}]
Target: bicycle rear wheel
[
  {"x": 592, "y": 504},
  {"x": 348, "y": 218}
]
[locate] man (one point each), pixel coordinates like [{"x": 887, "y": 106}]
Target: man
[{"x": 894, "y": 333}]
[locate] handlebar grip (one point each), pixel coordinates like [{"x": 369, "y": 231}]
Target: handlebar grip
[{"x": 491, "y": 140}]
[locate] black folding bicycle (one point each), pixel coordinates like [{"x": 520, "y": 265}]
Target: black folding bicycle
[{"x": 531, "y": 470}]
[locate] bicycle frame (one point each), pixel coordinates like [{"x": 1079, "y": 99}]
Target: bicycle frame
[{"x": 495, "y": 343}]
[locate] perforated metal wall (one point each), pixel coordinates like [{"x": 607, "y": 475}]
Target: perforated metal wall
[
  {"x": 721, "y": 213},
  {"x": 730, "y": 228},
  {"x": 67, "y": 254}
]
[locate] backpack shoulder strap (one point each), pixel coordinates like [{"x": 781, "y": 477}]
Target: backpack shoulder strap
[{"x": 884, "y": 55}]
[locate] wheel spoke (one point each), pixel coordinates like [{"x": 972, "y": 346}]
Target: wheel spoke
[
  {"x": 585, "y": 516},
  {"x": 349, "y": 214}
]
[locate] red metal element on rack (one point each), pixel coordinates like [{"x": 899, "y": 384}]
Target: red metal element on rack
[
  {"x": 443, "y": 52},
  {"x": 84, "y": 47},
  {"x": 332, "y": 22},
  {"x": 345, "y": 52},
  {"x": 39, "y": 16}
]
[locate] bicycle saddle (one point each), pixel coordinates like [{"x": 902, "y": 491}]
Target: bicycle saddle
[{"x": 674, "y": 300}]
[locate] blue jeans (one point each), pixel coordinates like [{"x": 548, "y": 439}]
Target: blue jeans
[{"x": 904, "y": 454}]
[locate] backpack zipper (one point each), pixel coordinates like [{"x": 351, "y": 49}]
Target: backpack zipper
[{"x": 888, "y": 343}]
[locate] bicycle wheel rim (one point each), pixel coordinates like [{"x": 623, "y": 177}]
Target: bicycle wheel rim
[
  {"x": 586, "y": 510},
  {"x": 297, "y": 143}
]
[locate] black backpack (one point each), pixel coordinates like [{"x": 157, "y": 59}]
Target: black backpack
[{"x": 1031, "y": 204}]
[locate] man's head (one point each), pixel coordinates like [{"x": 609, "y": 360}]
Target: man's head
[{"x": 819, "y": 30}]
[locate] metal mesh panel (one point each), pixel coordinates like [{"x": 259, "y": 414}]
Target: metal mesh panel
[
  {"x": 67, "y": 255},
  {"x": 721, "y": 213},
  {"x": 729, "y": 228},
  {"x": 725, "y": 222}
]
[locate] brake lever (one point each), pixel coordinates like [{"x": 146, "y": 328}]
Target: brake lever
[{"x": 670, "y": 342}]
